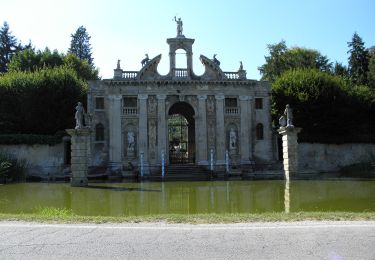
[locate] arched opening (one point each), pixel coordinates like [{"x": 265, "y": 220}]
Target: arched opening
[
  {"x": 181, "y": 59},
  {"x": 181, "y": 134}
]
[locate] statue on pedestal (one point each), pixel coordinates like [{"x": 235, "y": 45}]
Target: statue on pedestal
[
  {"x": 179, "y": 26},
  {"x": 79, "y": 115},
  {"x": 286, "y": 120}
]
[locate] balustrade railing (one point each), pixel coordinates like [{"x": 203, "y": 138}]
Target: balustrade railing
[
  {"x": 231, "y": 111},
  {"x": 129, "y": 74},
  {"x": 130, "y": 111},
  {"x": 181, "y": 73},
  {"x": 231, "y": 75}
]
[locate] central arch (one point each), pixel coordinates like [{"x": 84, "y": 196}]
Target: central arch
[{"x": 181, "y": 133}]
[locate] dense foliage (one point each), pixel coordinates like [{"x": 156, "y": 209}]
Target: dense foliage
[
  {"x": 39, "y": 102},
  {"x": 31, "y": 60},
  {"x": 282, "y": 59},
  {"x": 327, "y": 108}
]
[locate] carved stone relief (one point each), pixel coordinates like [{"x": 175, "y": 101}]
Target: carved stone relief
[
  {"x": 152, "y": 138},
  {"x": 152, "y": 105}
]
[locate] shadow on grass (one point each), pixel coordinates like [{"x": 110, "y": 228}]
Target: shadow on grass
[{"x": 119, "y": 188}]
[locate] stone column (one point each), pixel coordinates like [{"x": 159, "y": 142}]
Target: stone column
[
  {"x": 220, "y": 130},
  {"x": 80, "y": 139},
  {"x": 162, "y": 133},
  {"x": 142, "y": 127},
  {"x": 290, "y": 150},
  {"x": 114, "y": 116},
  {"x": 245, "y": 129},
  {"x": 201, "y": 132}
]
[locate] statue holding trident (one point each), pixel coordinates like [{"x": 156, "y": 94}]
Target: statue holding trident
[{"x": 179, "y": 26}]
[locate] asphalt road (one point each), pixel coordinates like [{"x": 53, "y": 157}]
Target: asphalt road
[{"x": 297, "y": 240}]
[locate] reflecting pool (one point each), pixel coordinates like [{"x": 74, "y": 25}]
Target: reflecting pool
[{"x": 126, "y": 199}]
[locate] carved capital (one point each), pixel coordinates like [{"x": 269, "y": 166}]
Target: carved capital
[
  {"x": 244, "y": 98},
  {"x": 161, "y": 96},
  {"x": 142, "y": 96},
  {"x": 202, "y": 97},
  {"x": 219, "y": 97}
]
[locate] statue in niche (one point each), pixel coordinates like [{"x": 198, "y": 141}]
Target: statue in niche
[
  {"x": 232, "y": 139},
  {"x": 131, "y": 140},
  {"x": 288, "y": 112},
  {"x": 179, "y": 26},
  {"x": 79, "y": 115}
]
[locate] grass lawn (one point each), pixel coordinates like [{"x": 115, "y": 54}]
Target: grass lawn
[{"x": 54, "y": 215}]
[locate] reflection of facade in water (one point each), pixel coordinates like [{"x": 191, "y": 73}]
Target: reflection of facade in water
[{"x": 191, "y": 197}]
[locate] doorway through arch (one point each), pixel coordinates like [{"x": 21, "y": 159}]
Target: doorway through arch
[{"x": 181, "y": 133}]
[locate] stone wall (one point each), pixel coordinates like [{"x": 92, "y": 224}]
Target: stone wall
[
  {"x": 330, "y": 157},
  {"x": 42, "y": 160}
]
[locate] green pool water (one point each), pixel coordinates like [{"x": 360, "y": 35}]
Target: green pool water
[{"x": 126, "y": 199}]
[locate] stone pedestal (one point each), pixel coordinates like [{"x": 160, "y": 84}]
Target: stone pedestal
[
  {"x": 79, "y": 139},
  {"x": 290, "y": 150}
]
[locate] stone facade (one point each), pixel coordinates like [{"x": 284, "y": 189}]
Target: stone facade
[{"x": 140, "y": 112}]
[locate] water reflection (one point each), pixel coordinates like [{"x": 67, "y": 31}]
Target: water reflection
[{"x": 191, "y": 197}]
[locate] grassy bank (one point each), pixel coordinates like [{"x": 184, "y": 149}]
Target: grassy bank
[{"x": 52, "y": 215}]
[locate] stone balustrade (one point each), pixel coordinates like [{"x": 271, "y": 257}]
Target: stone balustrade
[
  {"x": 129, "y": 74},
  {"x": 130, "y": 111},
  {"x": 181, "y": 73},
  {"x": 231, "y": 111},
  {"x": 231, "y": 75}
]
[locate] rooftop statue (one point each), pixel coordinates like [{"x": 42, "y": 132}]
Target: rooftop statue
[
  {"x": 179, "y": 26},
  {"x": 241, "y": 66},
  {"x": 145, "y": 60},
  {"x": 118, "y": 64},
  {"x": 216, "y": 61}
]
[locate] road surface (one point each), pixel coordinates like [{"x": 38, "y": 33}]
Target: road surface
[{"x": 296, "y": 240}]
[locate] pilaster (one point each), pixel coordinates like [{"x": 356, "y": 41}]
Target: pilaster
[
  {"x": 143, "y": 125},
  {"x": 114, "y": 116},
  {"x": 162, "y": 133},
  {"x": 201, "y": 134},
  {"x": 220, "y": 130},
  {"x": 245, "y": 146}
]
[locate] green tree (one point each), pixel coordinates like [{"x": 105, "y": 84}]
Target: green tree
[
  {"x": 358, "y": 60},
  {"x": 80, "y": 45},
  {"x": 8, "y": 47},
  {"x": 341, "y": 70},
  {"x": 31, "y": 60},
  {"x": 325, "y": 106},
  {"x": 282, "y": 59}
]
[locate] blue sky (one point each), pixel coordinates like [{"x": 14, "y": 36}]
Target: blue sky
[{"x": 236, "y": 30}]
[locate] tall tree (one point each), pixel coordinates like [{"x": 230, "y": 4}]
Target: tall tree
[
  {"x": 80, "y": 45},
  {"x": 282, "y": 59},
  {"x": 358, "y": 60},
  {"x": 8, "y": 46}
]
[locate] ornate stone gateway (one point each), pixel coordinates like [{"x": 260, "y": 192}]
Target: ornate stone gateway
[
  {"x": 181, "y": 117},
  {"x": 181, "y": 133}
]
